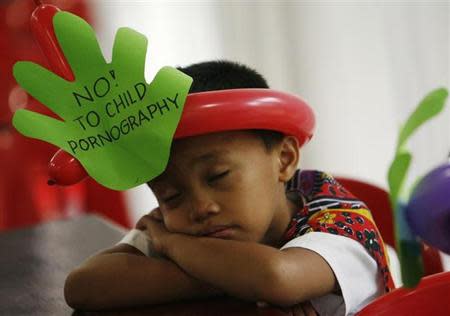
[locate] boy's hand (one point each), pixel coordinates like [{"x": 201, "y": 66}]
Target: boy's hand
[
  {"x": 119, "y": 127},
  {"x": 152, "y": 224}
]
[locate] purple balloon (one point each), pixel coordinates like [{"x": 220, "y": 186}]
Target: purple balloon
[{"x": 428, "y": 211}]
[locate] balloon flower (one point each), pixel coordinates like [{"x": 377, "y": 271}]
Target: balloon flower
[{"x": 423, "y": 214}]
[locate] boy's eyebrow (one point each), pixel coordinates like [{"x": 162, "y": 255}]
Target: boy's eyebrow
[{"x": 212, "y": 155}]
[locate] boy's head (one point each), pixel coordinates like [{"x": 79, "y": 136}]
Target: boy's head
[
  {"x": 228, "y": 184},
  {"x": 224, "y": 75}
]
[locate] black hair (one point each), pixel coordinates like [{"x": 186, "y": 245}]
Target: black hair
[{"x": 223, "y": 75}]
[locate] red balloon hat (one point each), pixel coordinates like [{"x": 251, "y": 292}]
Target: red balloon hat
[
  {"x": 238, "y": 109},
  {"x": 219, "y": 111}
]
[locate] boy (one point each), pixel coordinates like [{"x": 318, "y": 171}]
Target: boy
[{"x": 228, "y": 202}]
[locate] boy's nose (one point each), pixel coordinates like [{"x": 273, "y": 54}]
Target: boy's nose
[{"x": 201, "y": 210}]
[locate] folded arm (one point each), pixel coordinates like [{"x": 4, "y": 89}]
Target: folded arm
[
  {"x": 253, "y": 271},
  {"x": 122, "y": 276},
  {"x": 246, "y": 270}
]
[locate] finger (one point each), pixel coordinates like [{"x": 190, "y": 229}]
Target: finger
[
  {"x": 129, "y": 51},
  {"x": 141, "y": 224},
  {"x": 153, "y": 210},
  {"x": 297, "y": 310},
  {"x": 156, "y": 214},
  {"x": 79, "y": 44},
  {"x": 46, "y": 87},
  {"x": 309, "y": 309},
  {"x": 144, "y": 222},
  {"x": 39, "y": 126}
]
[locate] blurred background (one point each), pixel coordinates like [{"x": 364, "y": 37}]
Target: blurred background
[{"x": 363, "y": 66}]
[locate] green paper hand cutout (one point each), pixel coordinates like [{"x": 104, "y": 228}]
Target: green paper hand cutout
[
  {"x": 407, "y": 244},
  {"x": 117, "y": 126}
]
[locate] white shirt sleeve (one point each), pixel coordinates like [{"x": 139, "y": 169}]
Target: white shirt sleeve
[
  {"x": 355, "y": 270},
  {"x": 394, "y": 266},
  {"x": 138, "y": 240}
]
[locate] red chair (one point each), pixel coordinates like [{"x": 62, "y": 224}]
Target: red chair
[
  {"x": 377, "y": 199},
  {"x": 25, "y": 197},
  {"x": 430, "y": 297}
]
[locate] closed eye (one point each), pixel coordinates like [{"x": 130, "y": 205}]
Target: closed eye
[
  {"x": 218, "y": 176},
  {"x": 172, "y": 197}
]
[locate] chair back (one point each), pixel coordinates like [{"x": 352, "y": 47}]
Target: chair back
[{"x": 377, "y": 199}]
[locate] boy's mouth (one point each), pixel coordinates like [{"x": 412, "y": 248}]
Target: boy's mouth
[{"x": 218, "y": 232}]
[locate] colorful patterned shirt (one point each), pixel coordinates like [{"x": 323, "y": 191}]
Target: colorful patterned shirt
[{"x": 326, "y": 206}]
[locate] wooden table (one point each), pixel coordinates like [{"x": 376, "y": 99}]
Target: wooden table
[{"x": 35, "y": 261}]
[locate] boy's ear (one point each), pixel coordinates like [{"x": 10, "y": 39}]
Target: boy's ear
[{"x": 288, "y": 158}]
